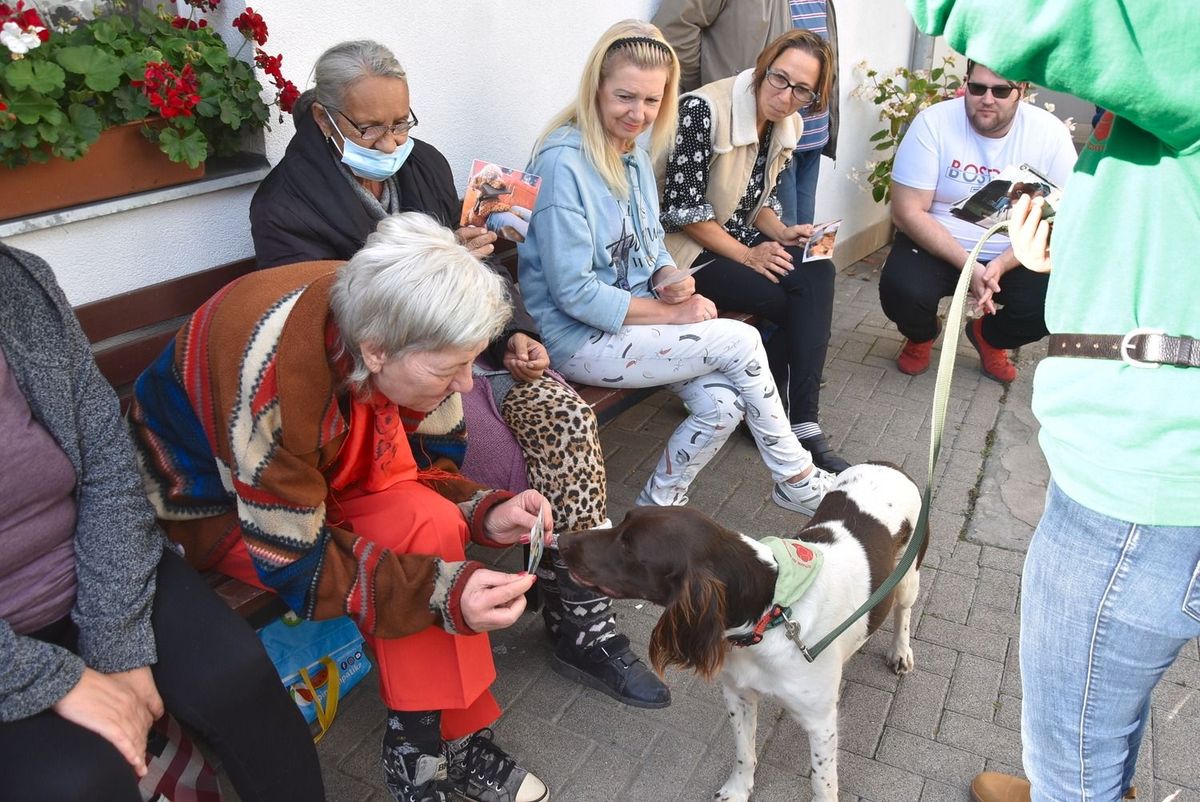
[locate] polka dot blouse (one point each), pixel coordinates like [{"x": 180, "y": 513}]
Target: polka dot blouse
[{"x": 685, "y": 190}]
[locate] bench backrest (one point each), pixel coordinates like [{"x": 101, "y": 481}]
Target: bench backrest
[{"x": 128, "y": 331}]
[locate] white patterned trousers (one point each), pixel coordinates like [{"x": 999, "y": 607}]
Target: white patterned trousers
[{"x": 719, "y": 369}]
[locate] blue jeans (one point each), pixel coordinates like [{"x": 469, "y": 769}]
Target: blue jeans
[
  {"x": 1106, "y": 606},
  {"x": 797, "y": 187}
]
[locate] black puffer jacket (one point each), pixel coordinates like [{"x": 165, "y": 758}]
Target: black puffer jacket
[{"x": 305, "y": 209}]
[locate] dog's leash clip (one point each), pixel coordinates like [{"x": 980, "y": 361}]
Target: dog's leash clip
[{"x": 793, "y": 632}]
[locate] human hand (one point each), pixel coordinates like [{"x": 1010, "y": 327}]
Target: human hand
[
  {"x": 1029, "y": 234},
  {"x": 985, "y": 282},
  {"x": 141, "y": 682},
  {"x": 769, "y": 259},
  {"x": 795, "y": 235},
  {"x": 493, "y": 599},
  {"x": 525, "y": 358},
  {"x": 674, "y": 285},
  {"x": 479, "y": 241},
  {"x": 115, "y": 707},
  {"x": 695, "y": 309},
  {"x": 508, "y": 521}
]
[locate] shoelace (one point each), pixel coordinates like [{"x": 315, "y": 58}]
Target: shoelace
[{"x": 481, "y": 760}]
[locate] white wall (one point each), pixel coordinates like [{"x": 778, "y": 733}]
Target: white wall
[{"x": 484, "y": 79}]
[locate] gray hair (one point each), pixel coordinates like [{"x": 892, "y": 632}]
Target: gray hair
[
  {"x": 412, "y": 287},
  {"x": 342, "y": 66}
]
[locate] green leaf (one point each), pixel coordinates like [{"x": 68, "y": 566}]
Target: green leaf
[
  {"x": 936, "y": 73},
  {"x": 215, "y": 56},
  {"x": 101, "y": 71},
  {"x": 231, "y": 115},
  {"x": 883, "y": 146},
  {"x": 30, "y": 108},
  {"x": 47, "y": 132},
  {"x": 878, "y": 135},
  {"x": 43, "y": 77},
  {"x": 192, "y": 147},
  {"x": 85, "y": 121},
  {"x": 877, "y": 193}
]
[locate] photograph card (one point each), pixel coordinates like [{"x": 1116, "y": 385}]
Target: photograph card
[
  {"x": 499, "y": 199},
  {"x": 820, "y": 245},
  {"x": 993, "y": 202}
]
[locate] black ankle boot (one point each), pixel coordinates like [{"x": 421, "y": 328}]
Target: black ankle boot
[
  {"x": 823, "y": 454},
  {"x": 611, "y": 667}
]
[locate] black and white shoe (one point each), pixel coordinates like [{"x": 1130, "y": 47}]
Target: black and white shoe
[{"x": 480, "y": 771}]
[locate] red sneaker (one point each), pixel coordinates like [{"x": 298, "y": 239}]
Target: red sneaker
[
  {"x": 994, "y": 362},
  {"x": 914, "y": 357}
]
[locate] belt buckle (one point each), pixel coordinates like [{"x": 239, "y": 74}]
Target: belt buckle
[{"x": 1127, "y": 344}]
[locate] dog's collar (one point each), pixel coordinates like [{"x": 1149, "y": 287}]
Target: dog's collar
[{"x": 798, "y": 564}]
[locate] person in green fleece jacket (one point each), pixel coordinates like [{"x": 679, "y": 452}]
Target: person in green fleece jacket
[{"x": 1111, "y": 586}]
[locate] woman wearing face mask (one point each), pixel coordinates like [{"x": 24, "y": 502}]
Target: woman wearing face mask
[
  {"x": 719, "y": 206},
  {"x": 352, "y": 162}
]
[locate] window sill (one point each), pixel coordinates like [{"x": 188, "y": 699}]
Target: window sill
[{"x": 235, "y": 171}]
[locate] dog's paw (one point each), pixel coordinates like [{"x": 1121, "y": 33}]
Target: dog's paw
[
  {"x": 900, "y": 661},
  {"x": 734, "y": 790}
]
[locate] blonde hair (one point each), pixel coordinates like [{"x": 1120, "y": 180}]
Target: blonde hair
[{"x": 623, "y": 43}]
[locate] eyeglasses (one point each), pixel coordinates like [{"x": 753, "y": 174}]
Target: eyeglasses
[
  {"x": 999, "y": 91},
  {"x": 802, "y": 93},
  {"x": 372, "y": 132}
]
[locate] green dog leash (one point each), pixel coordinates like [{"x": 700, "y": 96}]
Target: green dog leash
[{"x": 941, "y": 398}]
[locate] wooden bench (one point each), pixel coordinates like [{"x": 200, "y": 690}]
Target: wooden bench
[{"x": 128, "y": 331}]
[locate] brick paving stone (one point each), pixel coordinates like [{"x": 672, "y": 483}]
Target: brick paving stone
[
  {"x": 918, "y": 702},
  {"x": 928, "y": 758},
  {"x": 975, "y": 687},
  {"x": 1002, "y": 559},
  {"x": 980, "y": 737},
  {"x": 954, "y": 635},
  {"x": 997, "y": 590},
  {"x": 1008, "y": 712},
  {"x": 951, "y": 597},
  {"x": 989, "y": 619}
]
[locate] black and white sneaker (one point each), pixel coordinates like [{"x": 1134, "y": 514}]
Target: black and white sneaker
[
  {"x": 480, "y": 771},
  {"x": 416, "y": 780}
]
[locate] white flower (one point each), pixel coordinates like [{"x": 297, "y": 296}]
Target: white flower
[
  {"x": 861, "y": 68},
  {"x": 911, "y": 98},
  {"x": 1030, "y": 97},
  {"x": 871, "y": 165},
  {"x": 1049, "y": 107},
  {"x": 1070, "y": 124},
  {"x": 922, "y": 74},
  {"x": 20, "y": 41}
]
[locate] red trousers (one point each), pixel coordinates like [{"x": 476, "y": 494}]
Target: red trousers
[{"x": 432, "y": 669}]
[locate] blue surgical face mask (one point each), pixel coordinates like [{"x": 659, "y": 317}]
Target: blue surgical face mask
[{"x": 371, "y": 164}]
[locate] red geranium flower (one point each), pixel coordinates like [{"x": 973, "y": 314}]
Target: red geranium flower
[
  {"x": 269, "y": 64},
  {"x": 288, "y": 95},
  {"x": 190, "y": 24},
  {"x": 204, "y": 5},
  {"x": 3, "y": 106},
  {"x": 252, "y": 26},
  {"x": 172, "y": 94}
]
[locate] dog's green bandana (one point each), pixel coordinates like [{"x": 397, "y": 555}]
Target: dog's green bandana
[{"x": 799, "y": 563}]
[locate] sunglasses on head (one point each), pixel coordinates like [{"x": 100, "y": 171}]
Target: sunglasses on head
[{"x": 999, "y": 91}]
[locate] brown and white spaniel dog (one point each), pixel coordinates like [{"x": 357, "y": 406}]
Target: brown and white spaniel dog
[{"x": 717, "y": 585}]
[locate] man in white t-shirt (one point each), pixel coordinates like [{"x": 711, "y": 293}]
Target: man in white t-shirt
[{"x": 951, "y": 150}]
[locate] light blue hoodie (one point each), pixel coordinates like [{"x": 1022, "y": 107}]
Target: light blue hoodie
[{"x": 587, "y": 253}]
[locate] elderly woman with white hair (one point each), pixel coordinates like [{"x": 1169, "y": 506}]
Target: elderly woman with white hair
[
  {"x": 353, "y": 161},
  {"x": 273, "y": 441}
]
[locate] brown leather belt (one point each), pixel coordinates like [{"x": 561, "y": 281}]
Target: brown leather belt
[{"x": 1142, "y": 348}]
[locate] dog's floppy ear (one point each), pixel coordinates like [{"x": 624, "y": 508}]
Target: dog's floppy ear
[{"x": 691, "y": 631}]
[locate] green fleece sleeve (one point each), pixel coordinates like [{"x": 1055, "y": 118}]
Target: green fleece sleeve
[{"x": 1131, "y": 57}]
